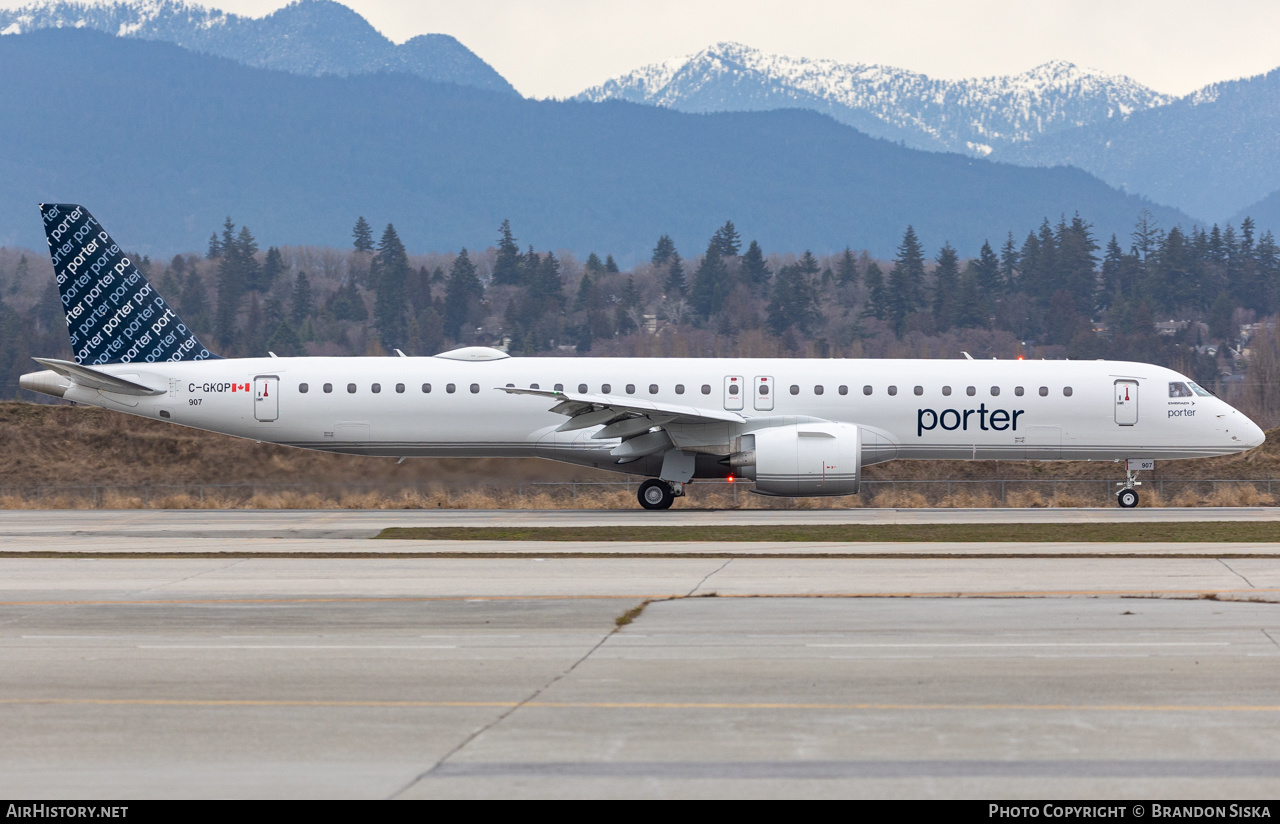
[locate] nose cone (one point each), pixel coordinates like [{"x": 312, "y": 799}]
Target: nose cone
[{"x": 1252, "y": 434}]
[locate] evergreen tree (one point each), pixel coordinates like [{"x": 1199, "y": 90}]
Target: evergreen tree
[
  {"x": 629, "y": 306},
  {"x": 663, "y": 251},
  {"x": 417, "y": 289},
  {"x": 463, "y": 294},
  {"x": 710, "y": 283},
  {"x": 389, "y": 272},
  {"x": 675, "y": 285},
  {"x": 302, "y": 303},
  {"x": 794, "y": 303},
  {"x": 272, "y": 268},
  {"x": 585, "y": 288},
  {"x": 847, "y": 269},
  {"x": 231, "y": 285},
  {"x": 946, "y": 285},
  {"x": 363, "y": 235},
  {"x": 808, "y": 264},
  {"x": 906, "y": 281},
  {"x": 506, "y": 268},
  {"x": 594, "y": 264},
  {"x": 877, "y": 296},
  {"x": 754, "y": 271},
  {"x": 1075, "y": 263},
  {"x": 246, "y": 254},
  {"x": 726, "y": 240},
  {"x": 970, "y": 308},
  {"x": 1009, "y": 260},
  {"x": 611, "y": 265},
  {"x": 215, "y": 247},
  {"x": 987, "y": 271}
]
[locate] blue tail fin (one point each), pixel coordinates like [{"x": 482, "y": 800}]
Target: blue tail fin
[{"x": 113, "y": 314}]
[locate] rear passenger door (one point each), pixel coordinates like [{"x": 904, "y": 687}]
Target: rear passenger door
[{"x": 763, "y": 394}]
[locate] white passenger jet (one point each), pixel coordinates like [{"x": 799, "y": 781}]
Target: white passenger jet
[{"x": 796, "y": 427}]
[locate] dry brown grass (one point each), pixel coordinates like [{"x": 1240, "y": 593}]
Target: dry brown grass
[{"x": 60, "y": 446}]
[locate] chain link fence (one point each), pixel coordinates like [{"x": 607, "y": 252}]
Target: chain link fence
[{"x": 1018, "y": 492}]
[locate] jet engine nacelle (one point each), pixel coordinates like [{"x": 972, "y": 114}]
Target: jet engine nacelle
[{"x": 807, "y": 459}]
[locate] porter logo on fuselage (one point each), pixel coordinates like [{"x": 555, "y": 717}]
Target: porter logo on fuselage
[{"x": 951, "y": 419}]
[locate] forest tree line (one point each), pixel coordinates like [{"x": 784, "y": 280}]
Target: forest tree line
[{"x": 1059, "y": 291}]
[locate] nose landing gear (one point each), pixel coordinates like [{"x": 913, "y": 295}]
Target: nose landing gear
[
  {"x": 1127, "y": 497},
  {"x": 656, "y": 494}
]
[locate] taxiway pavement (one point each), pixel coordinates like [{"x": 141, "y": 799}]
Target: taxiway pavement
[{"x": 911, "y": 670}]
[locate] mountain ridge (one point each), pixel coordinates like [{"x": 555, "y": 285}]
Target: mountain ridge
[
  {"x": 307, "y": 37},
  {"x": 973, "y": 116}
]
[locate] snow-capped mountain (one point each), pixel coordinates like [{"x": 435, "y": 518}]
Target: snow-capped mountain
[
  {"x": 976, "y": 116},
  {"x": 308, "y": 37}
]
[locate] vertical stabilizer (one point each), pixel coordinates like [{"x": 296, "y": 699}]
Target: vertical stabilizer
[{"x": 113, "y": 314}]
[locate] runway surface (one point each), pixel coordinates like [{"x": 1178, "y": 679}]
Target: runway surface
[
  {"x": 330, "y": 523},
  {"x": 1075, "y": 671}
]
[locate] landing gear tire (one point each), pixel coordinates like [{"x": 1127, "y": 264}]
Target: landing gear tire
[
  {"x": 655, "y": 494},
  {"x": 1127, "y": 498}
]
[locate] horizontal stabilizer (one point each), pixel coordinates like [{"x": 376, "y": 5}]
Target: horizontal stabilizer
[{"x": 91, "y": 378}]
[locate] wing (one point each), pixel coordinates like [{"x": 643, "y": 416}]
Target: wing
[{"x": 639, "y": 423}]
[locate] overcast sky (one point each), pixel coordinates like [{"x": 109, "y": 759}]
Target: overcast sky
[{"x": 556, "y": 48}]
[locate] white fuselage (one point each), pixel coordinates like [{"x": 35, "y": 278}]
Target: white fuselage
[{"x": 918, "y": 409}]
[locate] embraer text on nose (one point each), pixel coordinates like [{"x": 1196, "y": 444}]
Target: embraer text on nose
[{"x": 951, "y": 419}]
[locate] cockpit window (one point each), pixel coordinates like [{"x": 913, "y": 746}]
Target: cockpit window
[
  {"x": 1178, "y": 389},
  {"x": 1200, "y": 390}
]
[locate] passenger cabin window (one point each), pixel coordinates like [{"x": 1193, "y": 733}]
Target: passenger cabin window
[
  {"x": 795, "y": 390},
  {"x": 631, "y": 388},
  {"x": 817, "y": 390},
  {"x": 706, "y": 389},
  {"x": 1018, "y": 390},
  {"x": 866, "y": 390},
  {"x": 1177, "y": 389},
  {"x": 450, "y": 388},
  {"x": 399, "y": 388},
  {"x": 946, "y": 391},
  {"x": 376, "y": 388},
  {"x": 1044, "y": 391},
  {"x": 893, "y": 390},
  {"x": 475, "y": 389},
  {"x": 328, "y": 387},
  {"x": 302, "y": 387},
  {"x": 919, "y": 390},
  {"x": 764, "y": 389},
  {"x": 559, "y": 387},
  {"x": 971, "y": 391},
  {"x": 844, "y": 390},
  {"x": 606, "y": 389},
  {"x": 1066, "y": 391},
  {"x": 582, "y": 387},
  {"x": 733, "y": 389},
  {"x": 653, "y": 389},
  {"x": 426, "y": 389},
  {"x": 351, "y": 389},
  {"x": 534, "y": 386},
  {"x": 679, "y": 388},
  {"x": 995, "y": 391}
]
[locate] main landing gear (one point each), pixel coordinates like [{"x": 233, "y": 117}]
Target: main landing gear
[{"x": 656, "y": 494}]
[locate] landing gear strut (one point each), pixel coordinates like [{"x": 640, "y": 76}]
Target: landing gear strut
[
  {"x": 1127, "y": 497},
  {"x": 656, "y": 494}
]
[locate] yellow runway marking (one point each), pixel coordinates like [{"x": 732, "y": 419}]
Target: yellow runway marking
[{"x": 639, "y": 705}]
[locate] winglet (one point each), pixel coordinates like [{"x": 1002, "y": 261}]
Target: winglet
[{"x": 113, "y": 314}]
